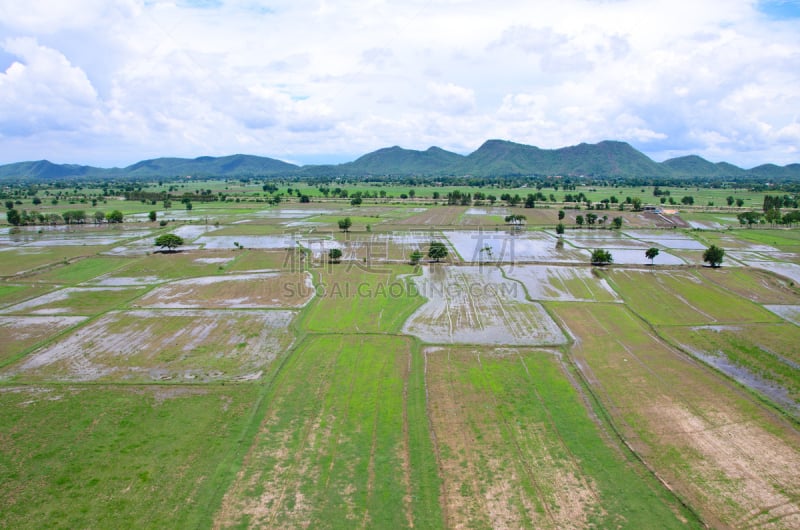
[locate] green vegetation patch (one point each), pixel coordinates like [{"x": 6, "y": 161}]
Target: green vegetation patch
[
  {"x": 13, "y": 293},
  {"x": 767, "y": 351},
  {"x": 518, "y": 448},
  {"x": 786, "y": 240},
  {"x": 683, "y": 298},
  {"x": 81, "y": 271},
  {"x": 353, "y": 298},
  {"x": 75, "y": 457},
  {"x": 726, "y": 455},
  {"x": 22, "y": 260},
  {"x": 76, "y": 301},
  {"x": 176, "y": 265},
  {"x": 754, "y": 284},
  {"x": 259, "y": 260},
  {"x": 342, "y": 442}
]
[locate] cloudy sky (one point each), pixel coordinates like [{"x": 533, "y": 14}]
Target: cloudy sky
[{"x": 111, "y": 82}]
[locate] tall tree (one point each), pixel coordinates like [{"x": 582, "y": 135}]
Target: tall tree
[
  {"x": 13, "y": 217},
  {"x": 651, "y": 254},
  {"x": 437, "y": 251},
  {"x": 713, "y": 256},
  {"x": 345, "y": 224}
]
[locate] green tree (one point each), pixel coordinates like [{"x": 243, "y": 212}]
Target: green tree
[
  {"x": 617, "y": 222},
  {"x": 713, "y": 256},
  {"x": 345, "y": 224},
  {"x": 416, "y": 257},
  {"x": 730, "y": 200},
  {"x": 169, "y": 241},
  {"x": 601, "y": 257},
  {"x": 189, "y": 206},
  {"x": 99, "y": 216},
  {"x": 739, "y": 202},
  {"x": 560, "y": 228},
  {"x": 335, "y": 255},
  {"x": 651, "y": 254},
  {"x": 749, "y": 218},
  {"x": 115, "y": 216},
  {"x": 637, "y": 204},
  {"x": 13, "y": 217},
  {"x": 152, "y": 216},
  {"x": 579, "y": 220},
  {"x": 561, "y": 215},
  {"x": 437, "y": 251},
  {"x": 773, "y": 216},
  {"x": 515, "y": 219}
]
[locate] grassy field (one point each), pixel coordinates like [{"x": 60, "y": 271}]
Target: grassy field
[
  {"x": 342, "y": 443},
  {"x": 730, "y": 459},
  {"x": 261, "y": 387},
  {"x": 92, "y": 457},
  {"x": 357, "y": 300},
  {"x": 682, "y": 298},
  {"x": 519, "y": 449},
  {"x": 17, "y": 261}
]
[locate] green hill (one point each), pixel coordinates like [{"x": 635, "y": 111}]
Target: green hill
[
  {"x": 695, "y": 166},
  {"x": 398, "y": 161},
  {"x": 495, "y": 158}
]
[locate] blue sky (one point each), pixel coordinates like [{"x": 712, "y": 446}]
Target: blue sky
[{"x": 111, "y": 82}]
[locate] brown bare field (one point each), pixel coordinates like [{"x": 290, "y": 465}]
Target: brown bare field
[
  {"x": 158, "y": 345},
  {"x": 20, "y": 333},
  {"x": 735, "y": 462},
  {"x": 233, "y": 291}
]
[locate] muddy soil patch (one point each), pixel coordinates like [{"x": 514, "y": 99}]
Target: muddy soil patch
[
  {"x": 236, "y": 291},
  {"x": 477, "y": 305},
  {"x": 20, "y": 333},
  {"x": 151, "y": 345},
  {"x": 562, "y": 283}
]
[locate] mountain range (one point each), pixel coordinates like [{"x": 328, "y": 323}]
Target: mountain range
[{"x": 493, "y": 159}]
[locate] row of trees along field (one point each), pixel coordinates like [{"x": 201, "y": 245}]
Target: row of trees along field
[
  {"x": 69, "y": 217},
  {"x": 713, "y": 255}
]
